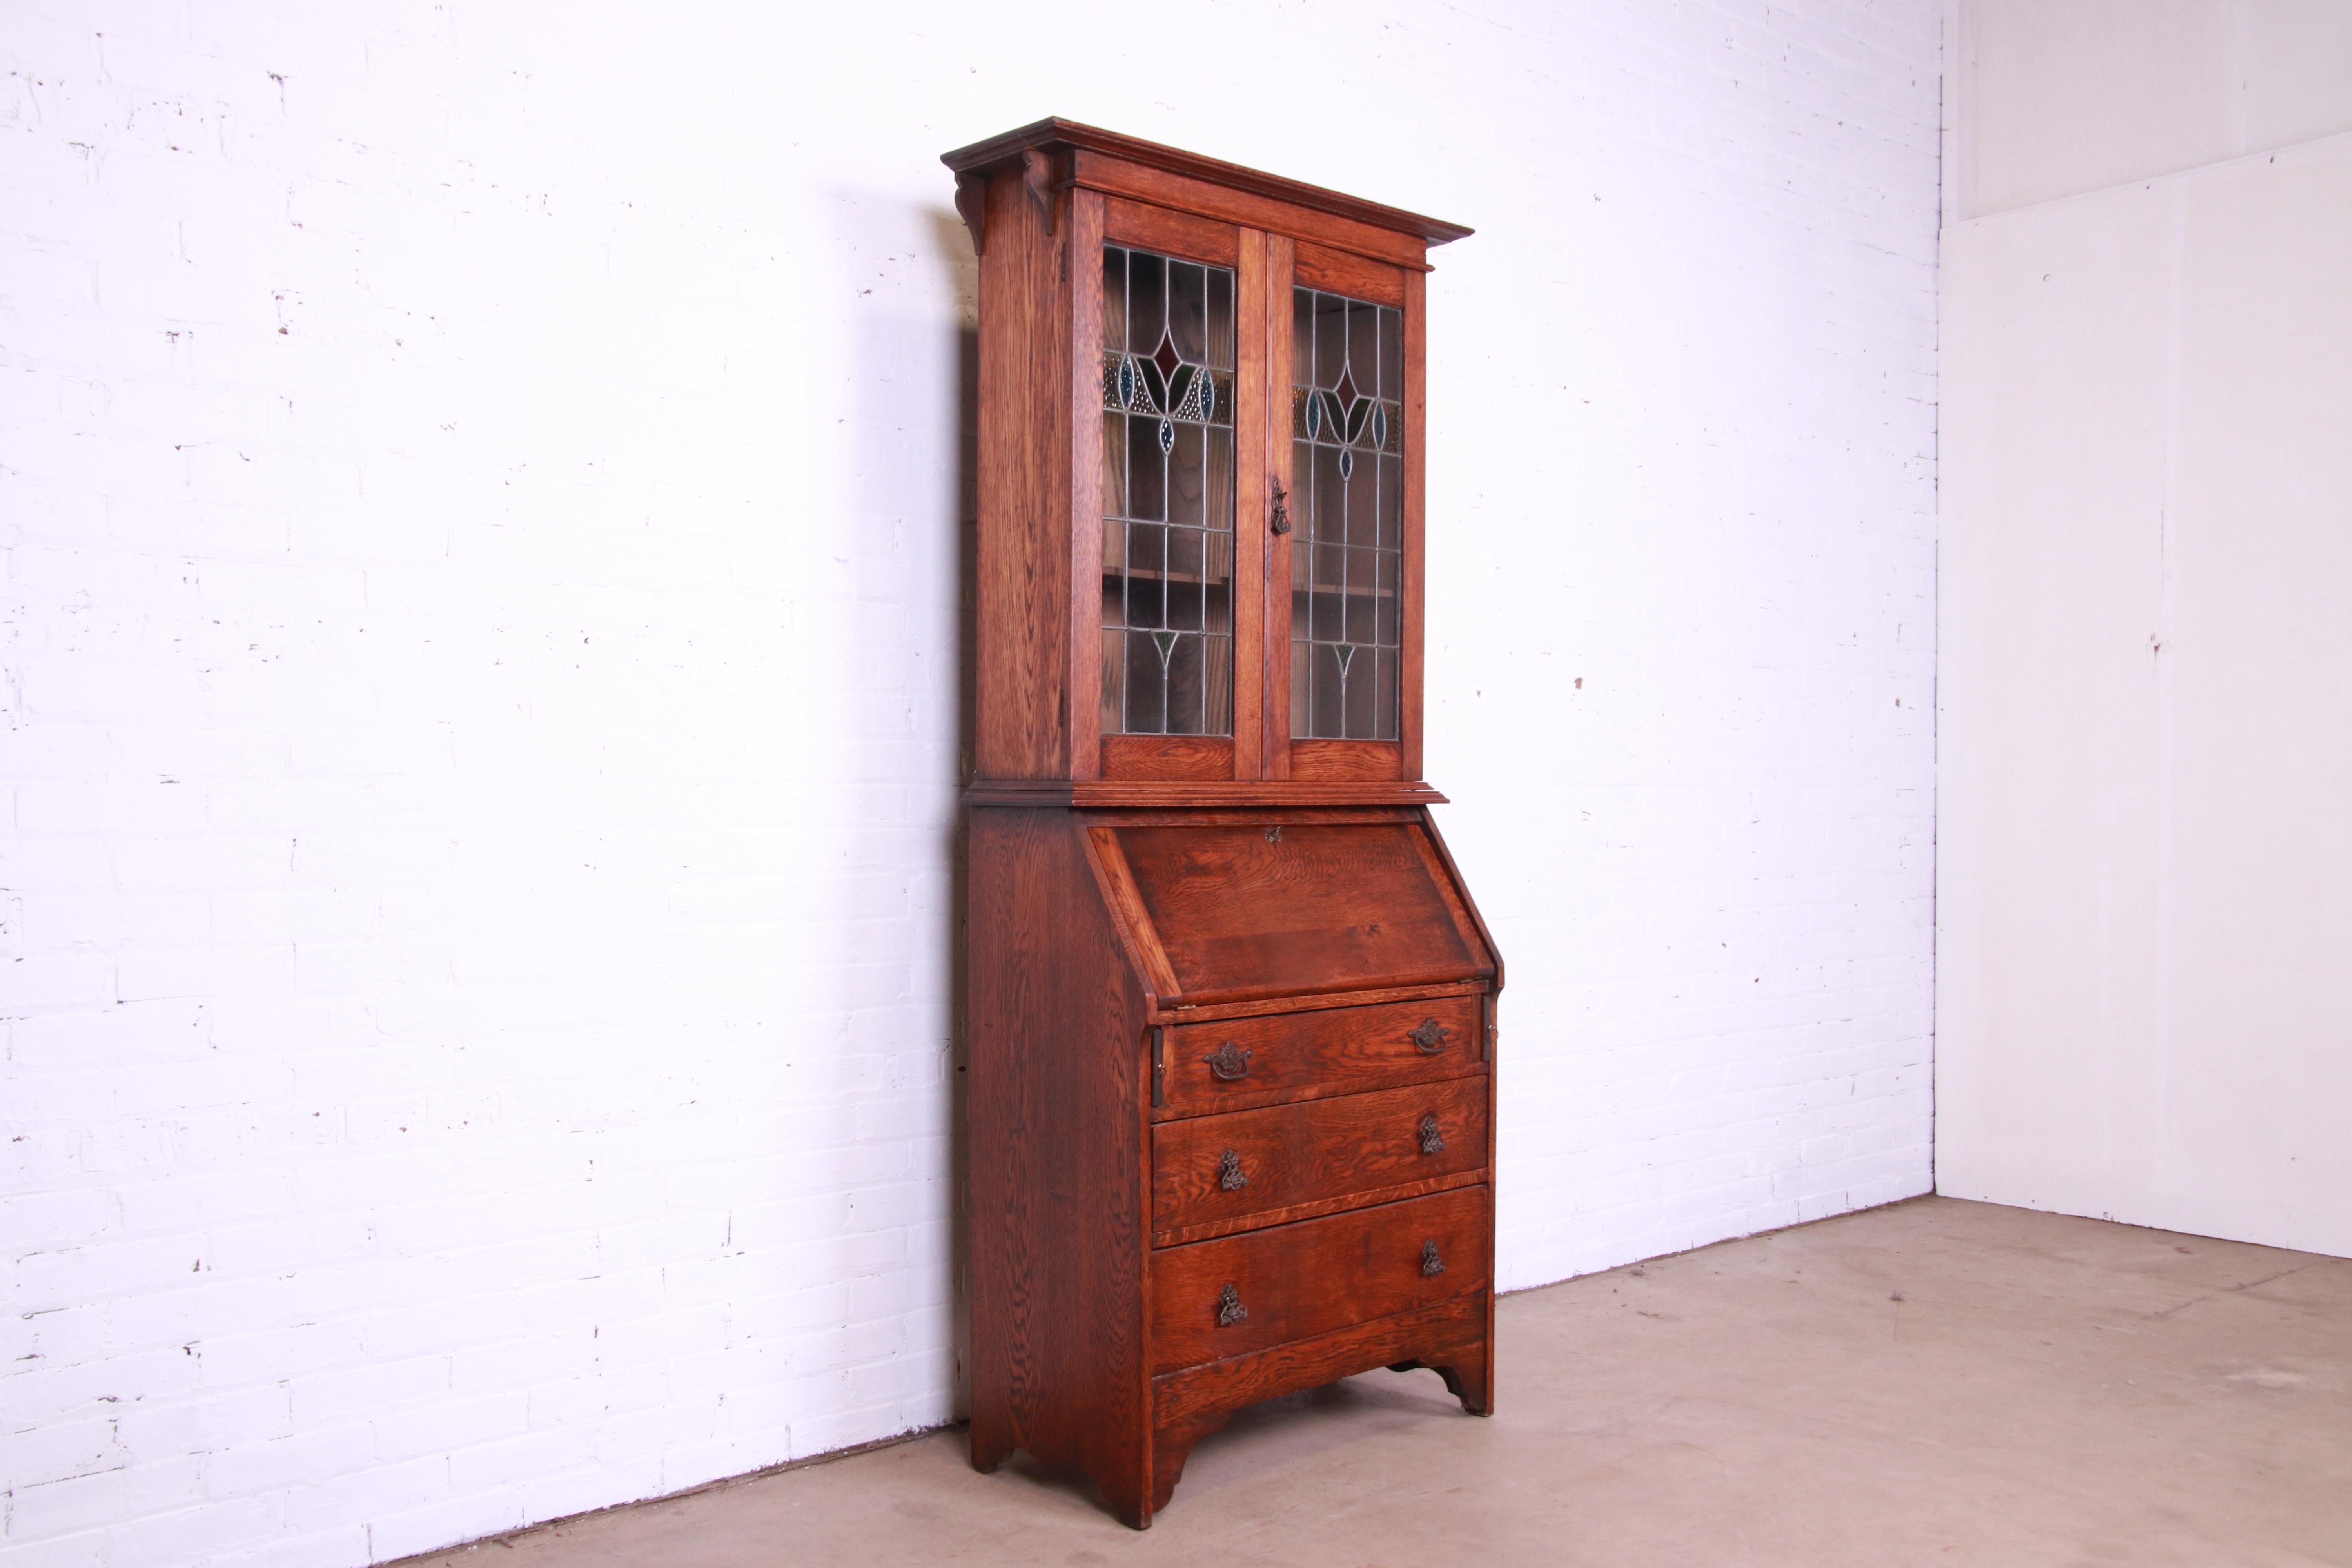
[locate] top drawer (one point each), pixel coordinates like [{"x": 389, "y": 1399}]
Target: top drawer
[{"x": 1231, "y": 1066}]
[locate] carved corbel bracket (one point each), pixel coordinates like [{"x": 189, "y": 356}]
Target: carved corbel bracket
[
  {"x": 1040, "y": 177},
  {"x": 971, "y": 206}
]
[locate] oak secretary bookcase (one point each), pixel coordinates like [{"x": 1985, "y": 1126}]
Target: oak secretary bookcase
[{"x": 1232, "y": 1012}]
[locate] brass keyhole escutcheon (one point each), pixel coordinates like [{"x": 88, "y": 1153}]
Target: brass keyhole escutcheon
[
  {"x": 1231, "y": 1177},
  {"x": 1433, "y": 1140},
  {"x": 1431, "y": 1264},
  {"x": 1230, "y": 1309}
]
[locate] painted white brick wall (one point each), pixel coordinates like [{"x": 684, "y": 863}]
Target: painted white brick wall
[{"x": 477, "y": 500}]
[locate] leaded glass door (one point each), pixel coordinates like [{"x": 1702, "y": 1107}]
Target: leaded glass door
[
  {"x": 1346, "y": 577},
  {"x": 1252, "y": 483},
  {"x": 1179, "y": 390},
  {"x": 1168, "y": 496},
  {"x": 1346, "y": 432}
]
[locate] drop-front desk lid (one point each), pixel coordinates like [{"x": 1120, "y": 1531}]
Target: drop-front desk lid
[{"x": 1233, "y": 911}]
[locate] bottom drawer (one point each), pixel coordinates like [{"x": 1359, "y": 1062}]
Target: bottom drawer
[{"x": 1241, "y": 1293}]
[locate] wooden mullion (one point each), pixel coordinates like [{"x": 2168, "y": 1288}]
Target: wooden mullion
[
  {"x": 1274, "y": 549},
  {"x": 1252, "y": 395}
]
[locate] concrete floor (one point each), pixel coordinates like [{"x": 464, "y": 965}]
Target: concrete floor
[{"x": 1937, "y": 1382}]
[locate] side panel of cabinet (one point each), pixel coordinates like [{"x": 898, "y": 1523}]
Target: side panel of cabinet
[
  {"x": 1490, "y": 1045},
  {"x": 1054, "y": 1151},
  {"x": 1083, "y": 335},
  {"x": 1022, "y": 613}
]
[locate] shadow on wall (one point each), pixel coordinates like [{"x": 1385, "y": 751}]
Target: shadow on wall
[
  {"x": 914, "y": 502},
  {"x": 957, "y": 239}
]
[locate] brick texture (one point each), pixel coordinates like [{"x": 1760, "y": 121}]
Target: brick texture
[{"x": 478, "y": 503}]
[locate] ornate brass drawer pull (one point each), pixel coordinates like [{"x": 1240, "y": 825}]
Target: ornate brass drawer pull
[
  {"x": 1433, "y": 1141},
  {"x": 1230, "y": 1175},
  {"x": 1230, "y": 1309},
  {"x": 1431, "y": 1036},
  {"x": 1229, "y": 1061},
  {"x": 1430, "y": 1263}
]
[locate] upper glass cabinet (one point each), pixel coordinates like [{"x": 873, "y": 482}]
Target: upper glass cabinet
[{"x": 1197, "y": 576}]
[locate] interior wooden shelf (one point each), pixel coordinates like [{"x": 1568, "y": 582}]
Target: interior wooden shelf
[{"x": 1114, "y": 573}]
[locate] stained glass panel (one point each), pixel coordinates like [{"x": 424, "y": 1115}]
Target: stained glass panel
[
  {"x": 1347, "y": 427},
  {"x": 1168, "y": 496}
]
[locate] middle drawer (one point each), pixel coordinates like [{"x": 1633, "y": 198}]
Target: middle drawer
[{"x": 1210, "y": 1175}]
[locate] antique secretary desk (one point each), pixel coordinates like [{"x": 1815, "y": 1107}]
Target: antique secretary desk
[{"x": 1231, "y": 1009}]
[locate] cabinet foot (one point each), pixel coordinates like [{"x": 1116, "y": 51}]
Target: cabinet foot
[
  {"x": 992, "y": 1444},
  {"x": 1134, "y": 1512},
  {"x": 1171, "y": 1446},
  {"x": 1465, "y": 1370}
]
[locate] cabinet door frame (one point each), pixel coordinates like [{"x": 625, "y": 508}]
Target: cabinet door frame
[
  {"x": 1101, "y": 220},
  {"x": 1360, "y": 278}
]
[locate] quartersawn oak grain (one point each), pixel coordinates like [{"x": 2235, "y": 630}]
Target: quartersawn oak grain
[
  {"x": 1308, "y": 1056},
  {"x": 1155, "y": 757},
  {"x": 1426, "y": 1336},
  {"x": 1251, "y": 911},
  {"x": 1297, "y": 1280},
  {"x": 1055, "y": 1188},
  {"x": 1228, "y": 1170},
  {"x": 1336, "y": 762},
  {"x": 1025, "y": 576}
]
